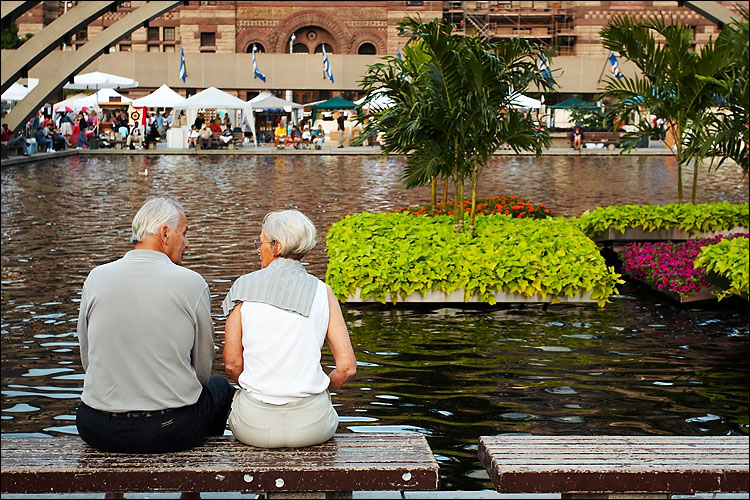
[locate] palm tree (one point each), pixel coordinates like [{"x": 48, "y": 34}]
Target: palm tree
[
  {"x": 725, "y": 134},
  {"x": 451, "y": 105},
  {"x": 676, "y": 83}
]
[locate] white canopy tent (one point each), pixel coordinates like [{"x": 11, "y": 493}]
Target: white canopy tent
[
  {"x": 80, "y": 101},
  {"x": 211, "y": 98},
  {"x": 76, "y": 103},
  {"x": 106, "y": 96},
  {"x": 266, "y": 100},
  {"x": 15, "y": 92},
  {"x": 163, "y": 97},
  {"x": 98, "y": 80},
  {"x": 380, "y": 101},
  {"x": 522, "y": 101}
]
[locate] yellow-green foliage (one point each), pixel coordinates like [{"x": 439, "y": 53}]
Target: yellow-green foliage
[
  {"x": 731, "y": 260},
  {"x": 690, "y": 218},
  {"x": 400, "y": 254}
]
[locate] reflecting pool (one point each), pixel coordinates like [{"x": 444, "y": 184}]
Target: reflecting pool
[{"x": 641, "y": 365}]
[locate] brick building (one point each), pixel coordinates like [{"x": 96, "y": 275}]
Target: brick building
[{"x": 217, "y": 37}]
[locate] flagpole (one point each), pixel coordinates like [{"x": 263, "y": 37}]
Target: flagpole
[{"x": 606, "y": 59}]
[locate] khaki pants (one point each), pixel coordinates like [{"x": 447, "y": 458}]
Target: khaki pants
[{"x": 306, "y": 422}]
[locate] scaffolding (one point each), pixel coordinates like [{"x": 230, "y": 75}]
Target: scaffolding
[{"x": 548, "y": 23}]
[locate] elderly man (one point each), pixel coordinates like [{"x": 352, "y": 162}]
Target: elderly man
[{"x": 147, "y": 345}]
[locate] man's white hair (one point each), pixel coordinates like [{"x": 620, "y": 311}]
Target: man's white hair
[
  {"x": 293, "y": 230},
  {"x": 155, "y": 213}
]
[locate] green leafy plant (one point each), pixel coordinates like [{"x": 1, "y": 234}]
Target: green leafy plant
[
  {"x": 451, "y": 105},
  {"x": 730, "y": 259},
  {"x": 397, "y": 254},
  {"x": 676, "y": 82},
  {"x": 511, "y": 205},
  {"x": 690, "y": 218}
]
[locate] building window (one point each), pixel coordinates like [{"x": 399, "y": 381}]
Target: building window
[
  {"x": 168, "y": 48},
  {"x": 208, "y": 39},
  {"x": 300, "y": 48},
  {"x": 319, "y": 48},
  {"x": 415, "y": 3},
  {"x": 258, "y": 48},
  {"x": 82, "y": 35},
  {"x": 153, "y": 48},
  {"x": 169, "y": 34},
  {"x": 153, "y": 34},
  {"x": 366, "y": 49},
  {"x": 124, "y": 47}
]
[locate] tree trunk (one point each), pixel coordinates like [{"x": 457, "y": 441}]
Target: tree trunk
[
  {"x": 461, "y": 205},
  {"x": 474, "y": 183},
  {"x": 445, "y": 193},
  {"x": 696, "y": 165},
  {"x": 433, "y": 193},
  {"x": 456, "y": 212},
  {"x": 675, "y": 128}
]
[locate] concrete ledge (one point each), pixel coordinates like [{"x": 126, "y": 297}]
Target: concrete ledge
[
  {"x": 457, "y": 297},
  {"x": 674, "y": 233}
]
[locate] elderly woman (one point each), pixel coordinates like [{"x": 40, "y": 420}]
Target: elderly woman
[{"x": 278, "y": 319}]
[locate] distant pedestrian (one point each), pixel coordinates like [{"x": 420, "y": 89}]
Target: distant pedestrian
[
  {"x": 342, "y": 130},
  {"x": 82, "y": 125}
]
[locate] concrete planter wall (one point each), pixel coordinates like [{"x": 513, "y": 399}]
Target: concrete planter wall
[
  {"x": 457, "y": 296},
  {"x": 676, "y": 234},
  {"x": 705, "y": 293}
]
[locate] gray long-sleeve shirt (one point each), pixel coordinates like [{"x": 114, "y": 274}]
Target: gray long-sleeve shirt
[{"x": 146, "y": 335}]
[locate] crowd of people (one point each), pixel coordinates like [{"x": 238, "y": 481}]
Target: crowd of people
[
  {"x": 298, "y": 136},
  {"x": 76, "y": 129},
  {"x": 65, "y": 130}
]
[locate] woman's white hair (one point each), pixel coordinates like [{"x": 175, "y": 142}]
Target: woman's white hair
[
  {"x": 155, "y": 213},
  {"x": 293, "y": 230}
]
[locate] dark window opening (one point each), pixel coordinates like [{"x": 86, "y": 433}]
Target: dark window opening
[
  {"x": 366, "y": 49},
  {"x": 319, "y": 48}
]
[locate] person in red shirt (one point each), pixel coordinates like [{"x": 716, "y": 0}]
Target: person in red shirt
[
  {"x": 6, "y": 133},
  {"x": 215, "y": 127}
]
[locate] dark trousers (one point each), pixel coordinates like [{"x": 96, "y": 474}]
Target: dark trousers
[{"x": 159, "y": 431}]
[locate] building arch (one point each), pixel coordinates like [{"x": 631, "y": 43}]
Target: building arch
[
  {"x": 374, "y": 37},
  {"x": 341, "y": 36},
  {"x": 244, "y": 40}
]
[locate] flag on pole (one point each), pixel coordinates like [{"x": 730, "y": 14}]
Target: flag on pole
[
  {"x": 615, "y": 66},
  {"x": 399, "y": 53},
  {"x": 183, "y": 68},
  {"x": 327, "y": 65},
  {"x": 256, "y": 71},
  {"x": 544, "y": 67}
]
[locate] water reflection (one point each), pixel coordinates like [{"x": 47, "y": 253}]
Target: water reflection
[{"x": 641, "y": 366}]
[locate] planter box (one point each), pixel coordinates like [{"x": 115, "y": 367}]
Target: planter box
[
  {"x": 674, "y": 234},
  {"x": 457, "y": 297},
  {"x": 705, "y": 293}
]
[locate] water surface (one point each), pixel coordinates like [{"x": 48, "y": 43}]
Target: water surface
[{"x": 642, "y": 365}]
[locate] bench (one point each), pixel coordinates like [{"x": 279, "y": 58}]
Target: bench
[
  {"x": 607, "y": 466},
  {"x": 237, "y": 139},
  {"x": 11, "y": 150},
  {"x": 217, "y": 143},
  {"x": 609, "y": 139},
  {"x": 345, "y": 463}
]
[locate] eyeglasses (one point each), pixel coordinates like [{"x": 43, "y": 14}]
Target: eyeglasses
[{"x": 259, "y": 243}]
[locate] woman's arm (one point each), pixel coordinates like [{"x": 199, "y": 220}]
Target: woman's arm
[
  {"x": 233, "y": 361},
  {"x": 340, "y": 344}
]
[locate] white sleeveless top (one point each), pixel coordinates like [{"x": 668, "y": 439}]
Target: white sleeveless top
[{"x": 281, "y": 350}]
